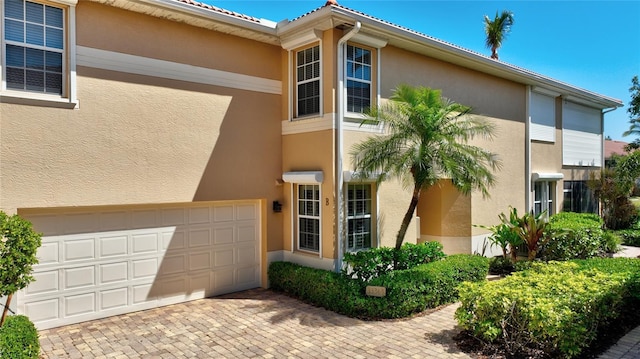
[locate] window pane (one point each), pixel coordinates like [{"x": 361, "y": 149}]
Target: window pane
[
  {"x": 14, "y": 9},
  {"x": 55, "y": 38},
  {"x": 35, "y": 34},
  {"x": 53, "y": 61},
  {"x": 53, "y": 83},
  {"x": 15, "y": 78},
  {"x": 35, "y": 81},
  {"x": 53, "y": 16},
  {"x": 15, "y": 56},
  {"x": 35, "y": 59},
  {"x": 14, "y": 30},
  {"x": 35, "y": 12}
]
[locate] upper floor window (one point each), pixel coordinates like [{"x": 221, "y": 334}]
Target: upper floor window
[
  {"x": 358, "y": 79},
  {"x": 308, "y": 81},
  {"x": 33, "y": 47}
]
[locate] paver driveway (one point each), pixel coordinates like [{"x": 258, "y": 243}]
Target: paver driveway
[{"x": 254, "y": 323}]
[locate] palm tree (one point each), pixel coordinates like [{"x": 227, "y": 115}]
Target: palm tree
[
  {"x": 426, "y": 141},
  {"x": 497, "y": 30}
]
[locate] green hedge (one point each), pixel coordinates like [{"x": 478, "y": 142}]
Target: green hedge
[
  {"x": 19, "y": 338},
  {"x": 407, "y": 291},
  {"x": 365, "y": 265},
  {"x": 629, "y": 237},
  {"x": 576, "y": 236},
  {"x": 555, "y": 307}
]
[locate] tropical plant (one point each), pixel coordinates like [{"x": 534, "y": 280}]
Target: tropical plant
[
  {"x": 18, "y": 246},
  {"x": 530, "y": 228},
  {"x": 634, "y": 112},
  {"x": 426, "y": 140},
  {"x": 505, "y": 238},
  {"x": 496, "y": 30}
]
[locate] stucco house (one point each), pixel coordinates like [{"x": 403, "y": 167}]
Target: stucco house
[{"x": 170, "y": 150}]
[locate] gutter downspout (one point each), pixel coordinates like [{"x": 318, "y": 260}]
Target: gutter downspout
[
  {"x": 527, "y": 151},
  {"x": 340, "y": 103}
]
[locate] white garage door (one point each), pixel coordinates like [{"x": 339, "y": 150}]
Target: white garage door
[{"x": 100, "y": 262}]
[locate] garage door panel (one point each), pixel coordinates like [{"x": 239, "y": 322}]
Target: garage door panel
[
  {"x": 114, "y": 272},
  {"x": 223, "y": 213},
  {"x": 79, "y": 249},
  {"x": 114, "y": 298},
  {"x": 79, "y": 277},
  {"x": 48, "y": 281},
  {"x": 79, "y": 304},
  {"x": 113, "y": 221},
  {"x": 174, "y": 239},
  {"x": 112, "y": 246},
  {"x": 42, "y": 310},
  {"x": 200, "y": 215},
  {"x": 173, "y": 217},
  {"x": 49, "y": 253},
  {"x": 200, "y": 237},
  {"x": 144, "y": 268},
  {"x": 139, "y": 257}
]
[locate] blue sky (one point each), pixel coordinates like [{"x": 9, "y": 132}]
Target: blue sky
[{"x": 594, "y": 45}]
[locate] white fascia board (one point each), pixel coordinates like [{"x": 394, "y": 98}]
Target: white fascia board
[{"x": 303, "y": 177}]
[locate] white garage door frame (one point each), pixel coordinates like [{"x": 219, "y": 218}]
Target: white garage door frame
[{"x": 97, "y": 262}]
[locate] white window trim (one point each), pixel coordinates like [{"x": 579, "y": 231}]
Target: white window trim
[
  {"x": 68, "y": 71},
  {"x": 357, "y": 115},
  {"x": 296, "y": 83},
  {"x": 296, "y": 178},
  {"x": 297, "y": 216},
  {"x": 548, "y": 196},
  {"x": 364, "y": 216}
]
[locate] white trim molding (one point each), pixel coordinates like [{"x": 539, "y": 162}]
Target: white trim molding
[
  {"x": 301, "y": 39},
  {"x": 303, "y": 177},
  {"x": 538, "y": 176},
  {"x": 116, "y": 61}
]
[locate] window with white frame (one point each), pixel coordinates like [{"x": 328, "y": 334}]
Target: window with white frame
[
  {"x": 358, "y": 216},
  {"x": 309, "y": 217},
  {"x": 34, "y": 47},
  {"x": 358, "y": 79},
  {"x": 308, "y": 81},
  {"x": 544, "y": 197}
]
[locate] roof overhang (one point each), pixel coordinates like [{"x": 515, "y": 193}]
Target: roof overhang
[
  {"x": 206, "y": 17},
  {"x": 416, "y": 42}
]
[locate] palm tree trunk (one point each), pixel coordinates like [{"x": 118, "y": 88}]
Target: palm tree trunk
[
  {"x": 6, "y": 308},
  {"x": 407, "y": 217}
]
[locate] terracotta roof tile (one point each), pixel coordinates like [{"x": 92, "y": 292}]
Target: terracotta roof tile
[
  {"x": 219, "y": 10},
  {"x": 611, "y": 147}
]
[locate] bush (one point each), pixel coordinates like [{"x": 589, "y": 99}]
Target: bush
[
  {"x": 407, "y": 291},
  {"x": 629, "y": 237},
  {"x": 19, "y": 338},
  {"x": 500, "y": 266},
  {"x": 555, "y": 307},
  {"x": 365, "y": 265},
  {"x": 575, "y": 236}
]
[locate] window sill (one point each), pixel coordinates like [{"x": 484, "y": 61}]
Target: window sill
[{"x": 34, "y": 99}]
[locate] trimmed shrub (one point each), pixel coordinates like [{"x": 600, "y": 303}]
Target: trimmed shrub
[
  {"x": 555, "y": 307},
  {"x": 365, "y": 265},
  {"x": 575, "y": 236},
  {"x": 629, "y": 237},
  {"x": 407, "y": 291},
  {"x": 500, "y": 266},
  {"x": 19, "y": 338}
]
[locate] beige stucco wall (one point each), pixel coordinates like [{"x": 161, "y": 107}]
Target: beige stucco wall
[
  {"x": 139, "y": 139},
  {"x": 310, "y": 151}
]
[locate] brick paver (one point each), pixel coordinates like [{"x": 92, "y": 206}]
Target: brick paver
[{"x": 253, "y": 324}]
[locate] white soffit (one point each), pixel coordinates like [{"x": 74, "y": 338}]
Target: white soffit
[
  {"x": 301, "y": 39},
  {"x": 368, "y": 40},
  {"x": 545, "y": 91},
  {"x": 536, "y": 176},
  {"x": 314, "y": 177}
]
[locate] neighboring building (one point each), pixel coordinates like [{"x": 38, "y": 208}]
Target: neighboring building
[
  {"x": 170, "y": 150},
  {"x": 613, "y": 147}
]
